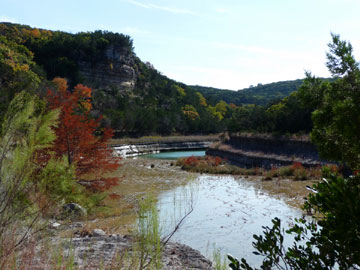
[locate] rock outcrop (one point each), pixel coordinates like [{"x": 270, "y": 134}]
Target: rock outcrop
[
  {"x": 107, "y": 250},
  {"x": 115, "y": 69},
  {"x": 73, "y": 210}
]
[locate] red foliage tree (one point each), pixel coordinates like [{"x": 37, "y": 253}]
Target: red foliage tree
[{"x": 77, "y": 139}]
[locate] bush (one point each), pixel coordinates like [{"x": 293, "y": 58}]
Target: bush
[{"x": 334, "y": 240}]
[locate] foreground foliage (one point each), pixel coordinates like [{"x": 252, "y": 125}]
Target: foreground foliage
[
  {"x": 336, "y": 121},
  {"x": 24, "y": 183},
  {"x": 332, "y": 241}
]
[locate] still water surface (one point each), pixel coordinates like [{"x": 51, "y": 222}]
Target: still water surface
[
  {"x": 176, "y": 154},
  {"x": 227, "y": 212}
]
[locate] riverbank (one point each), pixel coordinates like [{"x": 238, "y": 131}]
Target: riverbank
[
  {"x": 113, "y": 251},
  {"x": 266, "y": 151},
  {"x": 117, "y": 220},
  {"x": 142, "y": 176},
  {"x": 151, "y": 176},
  {"x": 219, "y": 166}
]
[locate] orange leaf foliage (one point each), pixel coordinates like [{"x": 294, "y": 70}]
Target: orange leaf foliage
[{"x": 77, "y": 139}]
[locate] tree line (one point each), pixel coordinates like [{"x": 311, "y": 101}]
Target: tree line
[{"x": 32, "y": 57}]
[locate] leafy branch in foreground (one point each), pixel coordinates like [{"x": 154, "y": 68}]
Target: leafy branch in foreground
[
  {"x": 332, "y": 241},
  {"x": 149, "y": 239},
  {"x": 24, "y": 131}
]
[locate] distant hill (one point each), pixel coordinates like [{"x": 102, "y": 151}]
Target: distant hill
[
  {"x": 261, "y": 94},
  {"x": 134, "y": 98}
]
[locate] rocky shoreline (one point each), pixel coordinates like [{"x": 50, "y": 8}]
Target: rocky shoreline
[{"x": 101, "y": 251}]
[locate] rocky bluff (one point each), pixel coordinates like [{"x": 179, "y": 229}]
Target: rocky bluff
[{"x": 117, "y": 68}]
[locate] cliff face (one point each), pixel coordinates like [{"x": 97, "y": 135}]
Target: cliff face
[{"x": 116, "y": 68}]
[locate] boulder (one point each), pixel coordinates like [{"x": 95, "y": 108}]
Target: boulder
[
  {"x": 98, "y": 232},
  {"x": 74, "y": 210}
]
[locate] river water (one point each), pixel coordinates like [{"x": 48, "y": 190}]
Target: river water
[
  {"x": 227, "y": 211},
  {"x": 176, "y": 154}
]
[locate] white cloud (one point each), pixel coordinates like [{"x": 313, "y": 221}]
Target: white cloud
[
  {"x": 4, "y": 18},
  {"x": 222, "y": 10},
  {"x": 163, "y": 8}
]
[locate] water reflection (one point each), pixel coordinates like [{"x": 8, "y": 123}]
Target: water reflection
[{"x": 227, "y": 212}]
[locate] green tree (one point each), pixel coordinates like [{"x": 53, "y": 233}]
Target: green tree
[
  {"x": 333, "y": 242},
  {"x": 336, "y": 122},
  {"x": 221, "y": 107},
  {"x": 16, "y": 63},
  {"x": 190, "y": 112},
  {"x": 27, "y": 187},
  {"x": 249, "y": 117}
]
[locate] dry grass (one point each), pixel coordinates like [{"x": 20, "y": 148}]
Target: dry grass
[
  {"x": 216, "y": 165},
  {"x": 169, "y": 139},
  {"x": 269, "y": 136},
  {"x": 119, "y": 211}
]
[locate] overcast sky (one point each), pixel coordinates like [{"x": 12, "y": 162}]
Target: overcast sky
[{"x": 226, "y": 44}]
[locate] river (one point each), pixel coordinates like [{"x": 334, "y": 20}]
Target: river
[{"x": 227, "y": 211}]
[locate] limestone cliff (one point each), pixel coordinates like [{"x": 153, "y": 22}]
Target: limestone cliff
[{"x": 115, "y": 69}]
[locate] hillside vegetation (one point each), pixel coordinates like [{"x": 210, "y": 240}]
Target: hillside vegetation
[
  {"x": 140, "y": 101},
  {"x": 261, "y": 94},
  {"x": 132, "y": 96}
]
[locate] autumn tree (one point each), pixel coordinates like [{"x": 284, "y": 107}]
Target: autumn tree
[
  {"x": 190, "y": 112},
  {"x": 80, "y": 137}
]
